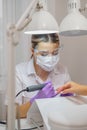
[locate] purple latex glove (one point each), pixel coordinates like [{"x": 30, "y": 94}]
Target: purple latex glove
[{"x": 47, "y": 92}]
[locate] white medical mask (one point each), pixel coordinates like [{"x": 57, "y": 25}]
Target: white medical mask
[{"x": 47, "y": 63}]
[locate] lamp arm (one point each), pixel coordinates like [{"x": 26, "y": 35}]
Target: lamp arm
[
  {"x": 27, "y": 16},
  {"x": 25, "y": 19},
  {"x": 13, "y": 30}
]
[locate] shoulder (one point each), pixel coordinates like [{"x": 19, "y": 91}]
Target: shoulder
[
  {"x": 21, "y": 71},
  {"x": 25, "y": 68},
  {"x": 22, "y": 68}
]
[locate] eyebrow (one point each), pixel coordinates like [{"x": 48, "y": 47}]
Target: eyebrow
[
  {"x": 48, "y": 50},
  {"x": 43, "y": 50}
]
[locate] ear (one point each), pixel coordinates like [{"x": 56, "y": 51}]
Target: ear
[{"x": 32, "y": 51}]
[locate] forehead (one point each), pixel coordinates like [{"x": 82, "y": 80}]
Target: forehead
[{"x": 47, "y": 46}]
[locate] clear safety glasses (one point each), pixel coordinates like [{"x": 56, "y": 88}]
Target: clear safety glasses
[{"x": 47, "y": 52}]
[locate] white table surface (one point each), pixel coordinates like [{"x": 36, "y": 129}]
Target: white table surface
[
  {"x": 44, "y": 106},
  {"x": 55, "y": 104}
]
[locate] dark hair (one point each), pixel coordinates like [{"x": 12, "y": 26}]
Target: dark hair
[{"x": 35, "y": 39}]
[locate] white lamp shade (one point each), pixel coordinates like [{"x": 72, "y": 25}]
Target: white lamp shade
[
  {"x": 42, "y": 23},
  {"x": 74, "y": 24}
]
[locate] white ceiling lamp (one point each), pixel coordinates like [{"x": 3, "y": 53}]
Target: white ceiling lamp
[
  {"x": 42, "y": 21},
  {"x": 74, "y": 24}
]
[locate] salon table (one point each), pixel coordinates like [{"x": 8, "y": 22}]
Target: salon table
[
  {"x": 48, "y": 113},
  {"x": 61, "y": 113}
]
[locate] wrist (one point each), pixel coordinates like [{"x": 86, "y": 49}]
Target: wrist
[{"x": 31, "y": 100}]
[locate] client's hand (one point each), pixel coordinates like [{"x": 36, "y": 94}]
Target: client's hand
[{"x": 47, "y": 92}]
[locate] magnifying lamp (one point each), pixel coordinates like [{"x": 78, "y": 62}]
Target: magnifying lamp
[
  {"x": 74, "y": 24},
  {"x": 40, "y": 21}
]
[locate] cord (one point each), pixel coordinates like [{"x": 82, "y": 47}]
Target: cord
[
  {"x": 32, "y": 88},
  {"x": 21, "y": 92}
]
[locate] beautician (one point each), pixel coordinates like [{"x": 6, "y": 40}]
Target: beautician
[{"x": 43, "y": 67}]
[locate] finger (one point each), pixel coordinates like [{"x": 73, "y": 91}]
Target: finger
[
  {"x": 59, "y": 89},
  {"x": 55, "y": 94},
  {"x": 67, "y": 91},
  {"x": 66, "y": 86}
]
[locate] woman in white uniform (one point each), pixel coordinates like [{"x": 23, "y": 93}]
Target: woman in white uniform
[{"x": 43, "y": 67}]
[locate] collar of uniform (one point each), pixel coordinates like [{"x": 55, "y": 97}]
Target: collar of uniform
[{"x": 31, "y": 69}]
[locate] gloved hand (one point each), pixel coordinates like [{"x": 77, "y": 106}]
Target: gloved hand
[{"x": 47, "y": 92}]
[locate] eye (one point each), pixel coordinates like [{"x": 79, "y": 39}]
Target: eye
[
  {"x": 55, "y": 52},
  {"x": 43, "y": 53}
]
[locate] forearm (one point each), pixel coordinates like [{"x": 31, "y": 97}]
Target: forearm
[{"x": 21, "y": 110}]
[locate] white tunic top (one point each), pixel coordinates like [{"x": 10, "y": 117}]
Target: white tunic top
[{"x": 26, "y": 76}]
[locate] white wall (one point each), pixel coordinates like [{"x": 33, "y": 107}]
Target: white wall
[
  {"x": 0, "y": 8},
  {"x": 75, "y": 48}
]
